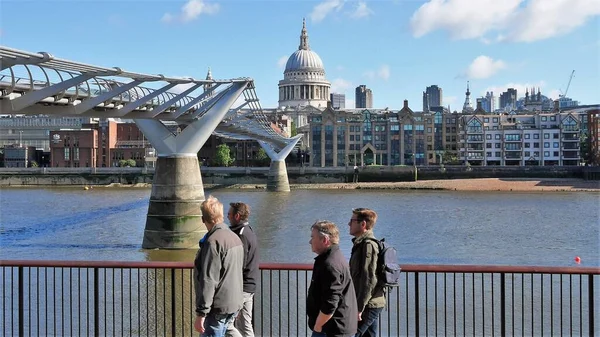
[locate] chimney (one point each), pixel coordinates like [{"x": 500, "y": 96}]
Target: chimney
[{"x": 406, "y": 103}]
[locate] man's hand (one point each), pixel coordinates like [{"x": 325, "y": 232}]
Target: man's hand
[
  {"x": 360, "y": 316},
  {"x": 199, "y": 324}
]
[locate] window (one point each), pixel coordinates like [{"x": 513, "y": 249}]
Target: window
[
  {"x": 527, "y": 136},
  {"x": 428, "y": 130},
  {"x": 351, "y": 138},
  {"x": 536, "y": 145},
  {"x": 556, "y": 153},
  {"x": 495, "y": 119},
  {"x": 536, "y": 136},
  {"x": 512, "y": 137},
  {"x": 546, "y": 153},
  {"x": 555, "y": 145},
  {"x": 527, "y": 145},
  {"x": 527, "y": 154},
  {"x": 498, "y": 154},
  {"x": 488, "y": 154},
  {"x": 544, "y": 118},
  {"x": 546, "y": 136},
  {"x": 552, "y": 118},
  {"x": 536, "y": 153},
  {"x": 66, "y": 153},
  {"x": 546, "y": 145},
  {"x": 488, "y": 136},
  {"x": 486, "y": 120},
  {"x": 498, "y": 145},
  {"x": 488, "y": 145},
  {"x": 555, "y": 136},
  {"x": 497, "y": 136},
  {"x": 76, "y": 153}
]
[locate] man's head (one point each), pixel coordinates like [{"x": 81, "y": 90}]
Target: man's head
[
  {"x": 212, "y": 212},
  {"x": 238, "y": 213},
  {"x": 363, "y": 219},
  {"x": 323, "y": 235}
]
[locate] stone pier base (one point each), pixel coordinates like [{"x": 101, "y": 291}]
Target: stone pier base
[
  {"x": 277, "y": 180},
  {"x": 174, "y": 218}
]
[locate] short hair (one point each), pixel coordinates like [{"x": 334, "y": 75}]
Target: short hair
[
  {"x": 327, "y": 229},
  {"x": 367, "y": 215},
  {"x": 240, "y": 208},
  {"x": 212, "y": 210}
]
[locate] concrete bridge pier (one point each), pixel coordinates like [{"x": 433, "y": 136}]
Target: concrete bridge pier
[
  {"x": 174, "y": 219},
  {"x": 277, "y": 179}
]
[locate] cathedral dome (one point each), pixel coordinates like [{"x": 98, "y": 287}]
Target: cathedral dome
[{"x": 304, "y": 58}]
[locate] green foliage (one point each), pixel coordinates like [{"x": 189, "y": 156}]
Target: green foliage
[
  {"x": 262, "y": 157},
  {"x": 127, "y": 163},
  {"x": 449, "y": 158},
  {"x": 223, "y": 156},
  {"x": 33, "y": 163},
  {"x": 293, "y": 130}
]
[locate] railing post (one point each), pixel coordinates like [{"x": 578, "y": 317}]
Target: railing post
[
  {"x": 96, "y": 303},
  {"x": 591, "y": 304},
  {"x": 416, "y": 303},
  {"x": 21, "y": 309},
  {"x": 173, "y": 316},
  {"x": 503, "y": 304}
]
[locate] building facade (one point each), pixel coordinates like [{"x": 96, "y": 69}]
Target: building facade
[
  {"x": 363, "y": 97},
  {"x": 520, "y": 140},
  {"x": 380, "y": 137},
  {"x": 74, "y": 148},
  {"x": 338, "y": 101},
  {"x": 593, "y": 126},
  {"x": 508, "y": 99}
]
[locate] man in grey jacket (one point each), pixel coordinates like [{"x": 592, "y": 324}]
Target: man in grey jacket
[{"x": 217, "y": 273}]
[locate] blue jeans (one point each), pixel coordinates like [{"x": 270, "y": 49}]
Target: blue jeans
[
  {"x": 369, "y": 323},
  {"x": 215, "y": 325}
]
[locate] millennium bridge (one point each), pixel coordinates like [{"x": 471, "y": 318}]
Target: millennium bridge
[{"x": 41, "y": 84}]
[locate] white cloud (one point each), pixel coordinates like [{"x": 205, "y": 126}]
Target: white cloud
[
  {"x": 191, "y": 10},
  {"x": 382, "y": 73},
  {"x": 362, "y": 11},
  {"x": 340, "y": 85},
  {"x": 484, "y": 67},
  {"x": 323, "y": 9},
  {"x": 508, "y": 20},
  {"x": 282, "y": 61}
]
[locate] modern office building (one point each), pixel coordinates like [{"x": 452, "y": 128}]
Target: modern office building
[
  {"x": 520, "y": 139},
  {"x": 508, "y": 99},
  {"x": 593, "y": 127},
  {"x": 363, "y": 98},
  {"x": 338, "y": 101},
  {"x": 432, "y": 96}
]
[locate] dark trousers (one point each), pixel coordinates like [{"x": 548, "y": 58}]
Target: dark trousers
[{"x": 369, "y": 323}]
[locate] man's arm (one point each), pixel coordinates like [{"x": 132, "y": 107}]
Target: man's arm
[
  {"x": 332, "y": 294},
  {"x": 367, "y": 280},
  {"x": 206, "y": 277}
]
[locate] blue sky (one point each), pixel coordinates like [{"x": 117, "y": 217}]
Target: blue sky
[{"x": 395, "y": 47}]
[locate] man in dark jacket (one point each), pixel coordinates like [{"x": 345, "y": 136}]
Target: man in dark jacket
[
  {"x": 238, "y": 222},
  {"x": 217, "y": 273},
  {"x": 331, "y": 301},
  {"x": 363, "y": 266}
]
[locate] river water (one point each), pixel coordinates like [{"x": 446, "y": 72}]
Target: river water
[{"x": 427, "y": 227}]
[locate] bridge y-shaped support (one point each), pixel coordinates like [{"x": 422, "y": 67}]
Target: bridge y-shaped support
[
  {"x": 174, "y": 219},
  {"x": 277, "y": 180}
]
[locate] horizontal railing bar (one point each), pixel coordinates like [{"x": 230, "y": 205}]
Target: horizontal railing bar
[{"x": 305, "y": 266}]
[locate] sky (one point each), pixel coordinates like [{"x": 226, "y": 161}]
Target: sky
[{"x": 395, "y": 47}]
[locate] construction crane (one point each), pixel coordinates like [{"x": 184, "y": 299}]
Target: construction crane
[{"x": 568, "y": 85}]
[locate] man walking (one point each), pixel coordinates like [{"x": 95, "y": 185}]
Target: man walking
[
  {"x": 370, "y": 295},
  {"x": 217, "y": 273},
  {"x": 238, "y": 216},
  {"x": 331, "y": 301}
]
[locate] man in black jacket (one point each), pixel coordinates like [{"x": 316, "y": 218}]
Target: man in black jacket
[
  {"x": 331, "y": 301},
  {"x": 238, "y": 222}
]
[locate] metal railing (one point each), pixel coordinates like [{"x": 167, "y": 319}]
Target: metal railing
[{"x": 83, "y": 298}]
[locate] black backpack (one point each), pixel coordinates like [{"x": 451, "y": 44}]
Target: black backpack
[{"x": 388, "y": 269}]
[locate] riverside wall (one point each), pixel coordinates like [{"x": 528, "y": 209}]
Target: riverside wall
[{"x": 297, "y": 175}]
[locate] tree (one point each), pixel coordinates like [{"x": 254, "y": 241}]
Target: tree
[
  {"x": 33, "y": 163},
  {"x": 449, "y": 158},
  {"x": 127, "y": 163},
  {"x": 223, "y": 156},
  {"x": 293, "y": 129},
  {"x": 262, "y": 157}
]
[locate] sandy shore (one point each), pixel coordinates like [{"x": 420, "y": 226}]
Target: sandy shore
[{"x": 484, "y": 184}]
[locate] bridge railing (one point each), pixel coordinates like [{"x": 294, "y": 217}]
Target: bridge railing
[{"x": 83, "y": 298}]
